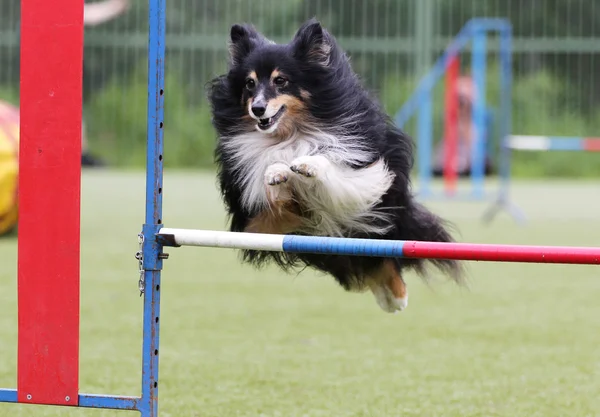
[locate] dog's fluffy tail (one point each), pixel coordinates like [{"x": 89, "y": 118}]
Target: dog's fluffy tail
[{"x": 423, "y": 225}]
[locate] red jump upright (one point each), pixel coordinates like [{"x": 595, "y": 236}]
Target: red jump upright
[
  {"x": 49, "y": 201},
  {"x": 450, "y": 145}
]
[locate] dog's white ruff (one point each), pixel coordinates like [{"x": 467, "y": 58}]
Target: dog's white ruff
[{"x": 339, "y": 198}]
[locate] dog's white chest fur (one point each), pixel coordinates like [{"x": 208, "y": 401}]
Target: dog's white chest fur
[{"x": 316, "y": 166}]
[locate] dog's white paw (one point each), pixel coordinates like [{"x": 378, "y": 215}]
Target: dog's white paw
[
  {"x": 310, "y": 166},
  {"x": 277, "y": 174},
  {"x": 387, "y": 301},
  {"x": 400, "y": 303}
]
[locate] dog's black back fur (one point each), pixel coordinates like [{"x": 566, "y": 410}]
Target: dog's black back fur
[{"x": 336, "y": 93}]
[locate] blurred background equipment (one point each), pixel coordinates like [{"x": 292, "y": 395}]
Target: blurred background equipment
[
  {"x": 9, "y": 166},
  {"x": 392, "y": 43},
  {"x": 466, "y": 146}
]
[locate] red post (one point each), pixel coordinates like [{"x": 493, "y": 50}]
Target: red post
[
  {"x": 451, "y": 126},
  {"x": 49, "y": 201}
]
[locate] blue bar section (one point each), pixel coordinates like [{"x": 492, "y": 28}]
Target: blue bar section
[
  {"x": 478, "y": 145},
  {"x": 425, "y": 145},
  {"x": 104, "y": 401},
  {"x": 343, "y": 246},
  {"x": 8, "y": 395},
  {"x": 566, "y": 144},
  {"x": 505, "y": 117}
]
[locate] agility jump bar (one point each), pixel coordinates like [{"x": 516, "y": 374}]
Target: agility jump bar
[
  {"x": 380, "y": 248},
  {"x": 553, "y": 143}
]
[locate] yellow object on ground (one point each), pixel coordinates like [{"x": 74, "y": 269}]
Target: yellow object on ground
[{"x": 9, "y": 166}]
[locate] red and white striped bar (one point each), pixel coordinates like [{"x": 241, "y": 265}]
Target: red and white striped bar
[
  {"x": 381, "y": 248},
  {"x": 553, "y": 143}
]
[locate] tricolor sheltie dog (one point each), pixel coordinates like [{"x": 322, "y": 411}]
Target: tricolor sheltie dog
[{"x": 304, "y": 149}]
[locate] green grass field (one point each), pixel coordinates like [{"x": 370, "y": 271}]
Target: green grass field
[{"x": 521, "y": 341}]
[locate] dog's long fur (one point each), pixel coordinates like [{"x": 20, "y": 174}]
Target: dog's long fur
[{"x": 333, "y": 164}]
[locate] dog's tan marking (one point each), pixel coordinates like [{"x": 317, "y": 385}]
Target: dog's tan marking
[
  {"x": 275, "y": 74},
  {"x": 248, "y": 118},
  {"x": 397, "y": 285},
  {"x": 295, "y": 114},
  {"x": 253, "y": 75},
  {"x": 292, "y": 104},
  {"x": 279, "y": 218},
  {"x": 283, "y": 213},
  {"x": 389, "y": 288}
]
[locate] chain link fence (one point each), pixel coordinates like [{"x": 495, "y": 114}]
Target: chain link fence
[{"x": 391, "y": 44}]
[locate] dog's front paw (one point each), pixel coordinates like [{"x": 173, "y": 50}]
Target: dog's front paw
[
  {"x": 310, "y": 166},
  {"x": 277, "y": 174}
]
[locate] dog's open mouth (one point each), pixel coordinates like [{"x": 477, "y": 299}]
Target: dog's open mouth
[{"x": 267, "y": 123}]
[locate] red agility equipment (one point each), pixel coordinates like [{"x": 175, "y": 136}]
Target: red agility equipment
[
  {"x": 48, "y": 241},
  {"x": 502, "y": 253},
  {"x": 591, "y": 144},
  {"x": 451, "y": 126}
]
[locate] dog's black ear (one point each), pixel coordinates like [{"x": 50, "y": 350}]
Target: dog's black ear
[
  {"x": 313, "y": 43},
  {"x": 244, "y": 38}
]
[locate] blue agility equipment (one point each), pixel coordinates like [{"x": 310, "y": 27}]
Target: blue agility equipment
[{"x": 474, "y": 33}]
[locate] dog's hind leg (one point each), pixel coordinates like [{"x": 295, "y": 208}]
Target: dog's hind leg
[{"x": 388, "y": 287}]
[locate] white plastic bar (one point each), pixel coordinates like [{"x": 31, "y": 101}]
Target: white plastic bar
[
  {"x": 219, "y": 239},
  {"x": 532, "y": 143}
]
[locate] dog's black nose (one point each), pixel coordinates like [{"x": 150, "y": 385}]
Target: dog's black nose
[{"x": 258, "y": 110}]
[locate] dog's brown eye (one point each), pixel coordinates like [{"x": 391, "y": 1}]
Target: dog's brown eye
[
  {"x": 280, "y": 81},
  {"x": 250, "y": 83}
]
